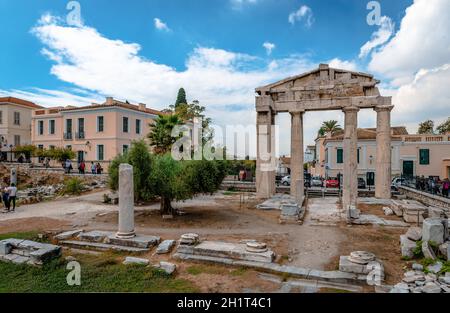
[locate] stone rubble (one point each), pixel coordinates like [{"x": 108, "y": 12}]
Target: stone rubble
[
  {"x": 26, "y": 251},
  {"x": 132, "y": 260},
  {"x": 167, "y": 267},
  {"x": 416, "y": 281},
  {"x": 165, "y": 247}
]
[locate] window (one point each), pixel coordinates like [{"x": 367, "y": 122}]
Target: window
[
  {"x": 125, "y": 149},
  {"x": 69, "y": 126},
  {"x": 100, "y": 124},
  {"x": 81, "y": 128},
  {"x": 340, "y": 156},
  {"x": 51, "y": 127},
  {"x": 100, "y": 152},
  {"x": 16, "y": 118},
  {"x": 424, "y": 155},
  {"x": 16, "y": 140},
  {"x": 41, "y": 147},
  {"x": 125, "y": 124},
  {"x": 51, "y": 147},
  {"x": 1, "y": 117},
  {"x": 40, "y": 128},
  {"x": 357, "y": 155},
  {"x": 138, "y": 126}
]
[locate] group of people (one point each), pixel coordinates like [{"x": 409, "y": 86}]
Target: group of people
[
  {"x": 96, "y": 168},
  {"x": 8, "y": 197},
  {"x": 432, "y": 186}
]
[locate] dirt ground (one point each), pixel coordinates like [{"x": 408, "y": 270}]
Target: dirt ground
[{"x": 223, "y": 216}]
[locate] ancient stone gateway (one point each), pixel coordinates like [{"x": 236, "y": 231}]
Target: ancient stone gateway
[{"x": 322, "y": 89}]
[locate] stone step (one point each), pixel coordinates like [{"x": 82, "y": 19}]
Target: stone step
[{"x": 100, "y": 246}]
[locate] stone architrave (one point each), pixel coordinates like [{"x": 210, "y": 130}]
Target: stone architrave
[
  {"x": 350, "y": 190},
  {"x": 383, "y": 154},
  {"x": 13, "y": 177},
  {"x": 297, "y": 174},
  {"x": 126, "y": 202}
]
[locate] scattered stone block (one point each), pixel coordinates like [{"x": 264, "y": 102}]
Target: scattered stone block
[
  {"x": 433, "y": 230},
  {"x": 256, "y": 247},
  {"x": 361, "y": 257},
  {"x": 139, "y": 241},
  {"x": 407, "y": 246},
  {"x": 189, "y": 239},
  {"x": 167, "y": 267},
  {"x": 68, "y": 234},
  {"x": 388, "y": 211},
  {"x": 345, "y": 265},
  {"x": 400, "y": 288},
  {"x": 414, "y": 233},
  {"x": 354, "y": 213},
  {"x": 5, "y": 248},
  {"x": 133, "y": 260},
  {"x": 435, "y": 268},
  {"x": 417, "y": 267},
  {"x": 165, "y": 246},
  {"x": 427, "y": 251},
  {"x": 94, "y": 236},
  {"x": 431, "y": 287},
  {"x": 444, "y": 249}
]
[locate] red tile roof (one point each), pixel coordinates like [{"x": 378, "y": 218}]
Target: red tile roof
[{"x": 20, "y": 101}]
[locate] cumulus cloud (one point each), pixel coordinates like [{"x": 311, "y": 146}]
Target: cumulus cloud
[
  {"x": 303, "y": 14},
  {"x": 343, "y": 64},
  {"x": 381, "y": 36},
  {"x": 269, "y": 47},
  {"x": 422, "y": 42},
  {"x": 160, "y": 25}
]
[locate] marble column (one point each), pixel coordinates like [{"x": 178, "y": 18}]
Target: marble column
[
  {"x": 13, "y": 176},
  {"x": 126, "y": 202},
  {"x": 350, "y": 184},
  {"x": 297, "y": 174},
  {"x": 383, "y": 155},
  {"x": 265, "y": 162}
]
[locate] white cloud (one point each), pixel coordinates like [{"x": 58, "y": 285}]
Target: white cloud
[
  {"x": 343, "y": 64},
  {"x": 160, "y": 25},
  {"x": 381, "y": 36},
  {"x": 304, "y": 13},
  {"x": 422, "y": 42},
  {"x": 269, "y": 47}
]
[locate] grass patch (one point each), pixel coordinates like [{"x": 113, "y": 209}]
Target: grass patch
[
  {"x": 31, "y": 235},
  {"x": 98, "y": 274},
  {"x": 73, "y": 186},
  {"x": 239, "y": 272},
  {"x": 228, "y": 193}
]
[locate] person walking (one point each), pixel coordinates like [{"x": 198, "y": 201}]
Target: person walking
[
  {"x": 12, "y": 191},
  {"x": 82, "y": 167},
  {"x": 68, "y": 166},
  {"x": 93, "y": 168},
  {"x": 445, "y": 188},
  {"x": 99, "y": 168},
  {"x": 5, "y": 197}
]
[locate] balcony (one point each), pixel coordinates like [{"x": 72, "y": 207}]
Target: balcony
[
  {"x": 80, "y": 135},
  {"x": 68, "y": 136}
]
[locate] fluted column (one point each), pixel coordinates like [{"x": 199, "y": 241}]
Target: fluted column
[
  {"x": 383, "y": 155},
  {"x": 350, "y": 188},
  {"x": 297, "y": 174}
]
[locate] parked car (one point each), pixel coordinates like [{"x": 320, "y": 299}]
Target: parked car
[
  {"x": 286, "y": 180},
  {"x": 332, "y": 182},
  {"x": 361, "y": 183},
  {"x": 307, "y": 177},
  {"x": 396, "y": 182},
  {"x": 316, "y": 182}
]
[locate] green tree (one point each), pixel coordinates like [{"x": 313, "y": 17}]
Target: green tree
[
  {"x": 58, "y": 154},
  {"x": 444, "y": 127},
  {"x": 426, "y": 127},
  {"x": 27, "y": 150},
  {"x": 331, "y": 126},
  {"x": 181, "y": 97},
  {"x": 161, "y": 133}
]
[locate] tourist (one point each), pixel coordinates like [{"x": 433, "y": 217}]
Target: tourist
[
  {"x": 445, "y": 188},
  {"x": 5, "y": 197},
  {"x": 47, "y": 162},
  {"x": 99, "y": 169},
  {"x": 93, "y": 168},
  {"x": 82, "y": 167},
  {"x": 68, "y": 166},
  {"x": 12, "y": 191}
]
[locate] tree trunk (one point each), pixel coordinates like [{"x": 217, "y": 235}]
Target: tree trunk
[{"x": 166, "y": 207}]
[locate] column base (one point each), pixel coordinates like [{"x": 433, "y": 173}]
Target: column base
[{"x": 129, "y": 235}]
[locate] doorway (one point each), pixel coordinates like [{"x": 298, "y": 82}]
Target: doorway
[
  {"x": 80, "y": 156},
  {"x": 408, "y": 169}
]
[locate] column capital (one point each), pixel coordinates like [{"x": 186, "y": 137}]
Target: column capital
[
  {"x": 383, "y": 108},
  {"x": 350, "y": 109},
  {"x": 297, "y": 112}
]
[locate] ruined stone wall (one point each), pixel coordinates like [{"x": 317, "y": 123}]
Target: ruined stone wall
[{"x": 428, "y": 199}]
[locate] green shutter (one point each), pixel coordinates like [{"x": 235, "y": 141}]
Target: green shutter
[
  {"x": 424, "y": 155},
  {"x": 340, "y": 156}
]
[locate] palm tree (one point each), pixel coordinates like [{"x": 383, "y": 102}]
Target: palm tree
[
  {"x": 161, "y": 133},
  {"x": 331, "y": 126}
]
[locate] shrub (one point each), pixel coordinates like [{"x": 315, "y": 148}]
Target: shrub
[{"x": 73, "y": 186}]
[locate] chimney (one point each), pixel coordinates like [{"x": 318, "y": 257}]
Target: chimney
[
  {"x": 109, "y": 100},
  {"x": 142, "y": 106}
]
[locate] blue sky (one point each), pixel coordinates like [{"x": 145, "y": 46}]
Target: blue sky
[{"x": 220, "y": 51}]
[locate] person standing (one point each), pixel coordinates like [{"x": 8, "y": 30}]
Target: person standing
[
  {"x": 93, "y": 168},
  {"x": 82, "y": 167},
  {"x": 445, "y": 188},
  {"x": 12, "y": 191},
  {"x": 5, "y": 197}
]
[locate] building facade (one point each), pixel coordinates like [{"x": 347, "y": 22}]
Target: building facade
[
  {"x": 96, "y": 133},
  {"x": 412, "y": 155},
  {"x": 15, "y": 124}
]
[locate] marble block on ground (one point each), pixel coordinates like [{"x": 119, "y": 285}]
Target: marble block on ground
[
  {"x": 140, "y": 241},
  {"x": 95, "y": 236},
  {"x": 165, "y": 246},
  {"x": 233, "y": 251},
  {"x": 433, "y": 230},
  {"x": 133, "y": 260},
  {"x": 68, "y": 234}
]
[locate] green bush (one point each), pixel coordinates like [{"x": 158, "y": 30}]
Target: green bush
[
  {"x": 417, "y": 251},
  {"x": 73, "y": 186}
]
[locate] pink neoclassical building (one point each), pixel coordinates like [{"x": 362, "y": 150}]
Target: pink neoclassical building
[{"x": 96, "y": 133}]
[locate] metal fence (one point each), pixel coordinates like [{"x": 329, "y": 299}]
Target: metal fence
[{"x": 432, "y": 185}]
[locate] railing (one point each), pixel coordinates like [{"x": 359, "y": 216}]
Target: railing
[
  {"x": 68, "y": 136},
  {"x": 432, "y": 185}
]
